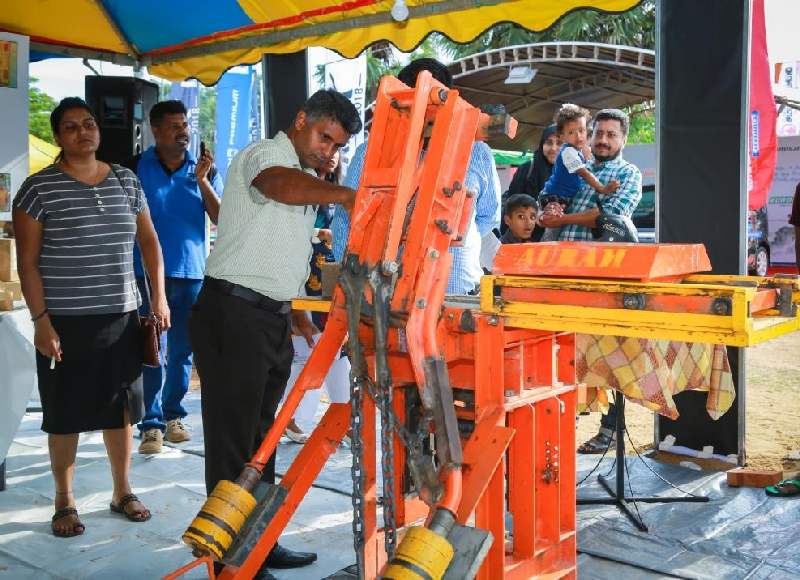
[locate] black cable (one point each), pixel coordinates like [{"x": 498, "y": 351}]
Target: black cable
[
  {"x": 603, "y": 456},
  {"x": 669, "y": 483},
  {"x": 630, "y": 488}
]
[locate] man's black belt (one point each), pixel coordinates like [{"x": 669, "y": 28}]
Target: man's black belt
[{"x": 250, "y": 296}]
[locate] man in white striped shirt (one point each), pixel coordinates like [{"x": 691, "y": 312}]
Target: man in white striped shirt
[{"x": 240, "y": 328}]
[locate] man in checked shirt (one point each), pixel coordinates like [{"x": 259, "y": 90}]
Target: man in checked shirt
[{"x": 609, "y": 134}]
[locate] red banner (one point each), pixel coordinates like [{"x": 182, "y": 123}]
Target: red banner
[{"x": 762, "y": 144}]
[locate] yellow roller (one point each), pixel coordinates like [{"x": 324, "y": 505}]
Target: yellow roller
[
  {"x": 422, "y": 555},
  {"x": 220, "y": 519}
]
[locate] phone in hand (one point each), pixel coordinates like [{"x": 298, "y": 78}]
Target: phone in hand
[{"x": 202, "y": 148}]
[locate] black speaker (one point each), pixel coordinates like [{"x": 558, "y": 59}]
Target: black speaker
[
  {"x": 122, "y": 106},
  {"x": 702, "y": 92},
  {"x": 286, "y": 89}
]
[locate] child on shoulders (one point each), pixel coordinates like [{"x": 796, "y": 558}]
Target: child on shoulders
[{"x": 570, "y": 171}]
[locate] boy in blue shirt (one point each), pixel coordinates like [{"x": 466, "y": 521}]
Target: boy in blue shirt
[{"x": 570, "y": 171}]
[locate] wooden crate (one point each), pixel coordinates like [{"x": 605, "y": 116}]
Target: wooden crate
[{"x": 8, "y": 260}]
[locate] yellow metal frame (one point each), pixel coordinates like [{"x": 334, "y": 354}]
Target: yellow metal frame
[
  {"x": 738, "y": 328},
  {"x": 312, "y": 304}
]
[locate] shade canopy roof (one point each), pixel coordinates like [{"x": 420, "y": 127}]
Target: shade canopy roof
[
  {"x": 178, "y": 39},
  {"x": 592, "y": 75}
]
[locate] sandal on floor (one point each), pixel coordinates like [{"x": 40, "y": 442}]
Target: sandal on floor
[
  {"x": 785, "y": 488},
  {"x": 137, "y": 516},
  {"x": 600, "y": 443},
  {"x": 77, "y": 529}
]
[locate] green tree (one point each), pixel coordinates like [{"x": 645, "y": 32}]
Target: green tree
[
  {"x": 643, "y": 125},
  {"x": 41, "y": 105},
  {"x": 636, "y": 27}
]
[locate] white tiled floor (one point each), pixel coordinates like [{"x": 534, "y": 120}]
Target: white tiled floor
[{"x": 170, "y": 484}]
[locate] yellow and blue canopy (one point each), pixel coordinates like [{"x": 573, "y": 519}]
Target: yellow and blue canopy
[{"x": 178, "y": 39}]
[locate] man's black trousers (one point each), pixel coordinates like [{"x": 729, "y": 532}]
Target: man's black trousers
[{"x": 243, "y": 355}]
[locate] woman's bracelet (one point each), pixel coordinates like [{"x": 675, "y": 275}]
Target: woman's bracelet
[{"x": 38, "y": 316}]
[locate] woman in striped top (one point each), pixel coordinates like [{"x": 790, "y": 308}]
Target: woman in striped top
[{"x": 76, "y": 223}]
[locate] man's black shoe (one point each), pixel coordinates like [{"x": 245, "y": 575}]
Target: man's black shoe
[{"x": 281, "y": 557}]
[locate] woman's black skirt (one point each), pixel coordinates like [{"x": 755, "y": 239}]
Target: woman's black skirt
[{"x": 98, "y": 378}]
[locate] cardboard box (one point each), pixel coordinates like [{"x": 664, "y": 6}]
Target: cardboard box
[
  {"x": 8, "y": 260},
  {"x": 14, "y": 287},
  {"x": 6, "y": 300},
  {"x": 330, "y": 276}
]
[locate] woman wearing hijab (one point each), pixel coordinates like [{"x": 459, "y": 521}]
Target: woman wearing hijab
[{"x": 532, "y": 175}]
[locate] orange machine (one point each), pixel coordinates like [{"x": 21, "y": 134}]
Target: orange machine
[
  {"x": 432, "y": 370},
  {"x": 476, "y": 400}
]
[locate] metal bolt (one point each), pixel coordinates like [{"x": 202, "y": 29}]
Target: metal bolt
[
  {"x": 493, "y": 321},
  {"x": 443, "y": 95},
  {"x": 451, "y": 316},
  {"x": 722, "y": 306},
  {"x": 421, "y": 303},
  {"x": 457, "y": 185},
  {"x": 633, "y": 301},
  {"x": 389, "y": 268},
  {"x": 509, "y": 393},
  {"x": 447, "y": 192},
  {"x": 434, "y": 254}
]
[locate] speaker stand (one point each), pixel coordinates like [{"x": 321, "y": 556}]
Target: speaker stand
[{"x": 616, "y": 494}]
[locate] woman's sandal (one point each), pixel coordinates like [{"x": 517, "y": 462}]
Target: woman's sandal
[
  {"x": 136, "y": 516},
  {"x": 77, "y": 529},
  {"x": 785, "y": 488}
]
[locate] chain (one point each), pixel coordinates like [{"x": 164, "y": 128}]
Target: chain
[
  {"x": 381, "y": 290},
  {"x": 354, "y": 277},
  {"x": 356, "y": 472},
  {"x": 352, "y": 283},
  {"x": 387, "y": 462}
]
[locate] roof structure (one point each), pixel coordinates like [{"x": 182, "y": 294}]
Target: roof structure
[
  {"x": 592, "y": 75},
  {"x": 179, "y": 39}
]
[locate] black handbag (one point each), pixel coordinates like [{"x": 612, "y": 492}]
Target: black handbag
[
  {"x": 150, "y": 329},
  {"x": 149, "y": 325}
]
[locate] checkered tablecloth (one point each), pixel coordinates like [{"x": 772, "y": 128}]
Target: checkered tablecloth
[{"x": 651, "y": 372}]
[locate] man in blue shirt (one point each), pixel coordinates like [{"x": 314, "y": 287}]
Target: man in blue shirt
[
  {"x": 481, "y": 177},
  {"x": 180, "y": 191}
]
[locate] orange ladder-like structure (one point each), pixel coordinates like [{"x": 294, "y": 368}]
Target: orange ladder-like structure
[{"x": 499, "y": 403}]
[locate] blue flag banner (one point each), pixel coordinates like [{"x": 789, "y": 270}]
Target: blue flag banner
[
  {"x": 188, "y": 92},
  {"x": 234, "y": 98}
]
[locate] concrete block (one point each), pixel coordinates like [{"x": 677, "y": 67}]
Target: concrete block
[{"x": 747, "y": 477}]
